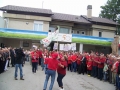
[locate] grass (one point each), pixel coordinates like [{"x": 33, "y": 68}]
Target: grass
[
  {"x": 21, "y": 36},
  {"x": 39, "y": 37},
  {"x": 93, "y": 42}
]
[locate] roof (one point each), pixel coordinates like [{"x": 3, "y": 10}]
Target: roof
[
  {"x": 100, "y": 20},
  {"x": 56, "y": 16},
  {"x": 68, "y": 17},
  {"x": 25, "y": 9}
]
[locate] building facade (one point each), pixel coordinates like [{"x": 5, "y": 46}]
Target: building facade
[{"x": 24, "y": 27}]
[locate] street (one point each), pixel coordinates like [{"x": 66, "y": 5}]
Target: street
[{"x": 72, "y": 81}]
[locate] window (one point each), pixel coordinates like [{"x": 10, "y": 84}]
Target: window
[
  {"x": 100, "y": 34},
  {"x": 83, "y": 32},
  {"x": 52, "y": 29},
  {"x": 64, "y": 30},
  {"x": 38, "y": 26},
  {"x": 78, "y": 32},
  {"x": 72, "y": 31}
]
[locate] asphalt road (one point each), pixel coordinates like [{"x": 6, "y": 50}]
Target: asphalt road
[{"x": 72, "y": 81}]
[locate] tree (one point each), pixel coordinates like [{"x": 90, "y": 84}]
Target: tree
[{"x": 111, "y": 10}]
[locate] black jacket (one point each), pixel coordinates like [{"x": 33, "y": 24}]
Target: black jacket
[{"x": 19, "y": 56}]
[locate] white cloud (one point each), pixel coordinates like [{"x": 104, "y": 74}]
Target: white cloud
[{"x": 75, "y": 7}]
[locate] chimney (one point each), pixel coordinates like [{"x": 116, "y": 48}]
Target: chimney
[{"x": 89, "y": 11}]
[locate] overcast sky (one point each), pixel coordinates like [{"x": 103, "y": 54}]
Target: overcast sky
[{"x": 75, "y": 7}]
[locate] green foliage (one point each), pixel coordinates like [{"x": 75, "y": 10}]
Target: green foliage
[
  {"x": 21, "y": 36},
  {"x": 92, "y": 42},
  {"x": 111, "y": 10}
]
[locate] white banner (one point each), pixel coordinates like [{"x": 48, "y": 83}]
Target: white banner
[
  {"x": 61, "y": 46},
  {"x": 53, "y": 35},
  {"x": 69, "y": 47},
  {"x": 62, "y": 37},
  {"x": 55, "y": 46},
  {"x": 73, "y": 45}
]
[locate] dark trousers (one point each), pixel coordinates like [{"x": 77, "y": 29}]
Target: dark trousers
[
  {"x": 39, "y": 61},
  {"x": 34, "y": 66},
  {"x": 109, "y": 76},
  {"x": 83, "y": 68},
  {"x": 100, "y": 73},
  {"x": 69, "y": 67},
  {"x": 79, "y": 69},
  {"x": 89, "y": 72},
  {"x": 59, "y": 79},
  {"x": 73, "y": 66},
  {"x": 94, "y": 71},
  {"x": 12, "y": 61}
]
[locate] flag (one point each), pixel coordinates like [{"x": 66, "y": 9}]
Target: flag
[{"x": 53, "y": 35}]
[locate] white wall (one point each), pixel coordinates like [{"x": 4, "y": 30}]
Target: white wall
[
  {"x": 2, "y": 22},
  {"x": 105, "y": 33}
]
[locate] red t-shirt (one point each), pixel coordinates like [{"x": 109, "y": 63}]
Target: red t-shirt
[
  {"x": 40, "y": 53},
  {"x": 34, "y": 57},
  {"x": 62, "y": 70},
  {"x": 89, "y": 65},
  {"x": 95, "y": 59},
  {"x": 117, "y": 64},
  {"x": 69, "y": 59},
  {"x": 102, "y": 61},
  {"x": 74, "y": 58},
  {"x": 52, "y": 64},
  {"x": 79, "y": 60}
]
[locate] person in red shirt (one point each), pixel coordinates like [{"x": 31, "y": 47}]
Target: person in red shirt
[
  {"x": 89, "y": 66},
  {"x": 34, "y": 57},
  {"x": 61, "y": 71},
  {"x": 52, "y": 65},
  {"x": 101, "y": 62},
  {"x": 95, "y": 59},
  {"x": 79, "y": 63},
  {"x": 69, "y": 62},
  {"x": 40, "y": 56},
  {"x": 74, "y": 64}
]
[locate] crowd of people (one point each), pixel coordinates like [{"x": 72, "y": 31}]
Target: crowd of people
[{"x": 94, "y": 64}]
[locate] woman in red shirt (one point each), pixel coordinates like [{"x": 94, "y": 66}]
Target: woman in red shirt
[
  {"x": 89, "y": 66},
  {"x": 34, "y": 57},
  {"x": 61, "y": 71}
]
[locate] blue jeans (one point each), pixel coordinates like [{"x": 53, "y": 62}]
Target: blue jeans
[
  {"x": 46, "y": 68},
  {"x": 42, "y": 63},
  {"x": 16, "y": 70},
  {"x": 73, "y": 66},
  {"x": 52, "y": 74},
  {"x": 105, "y": 76}
]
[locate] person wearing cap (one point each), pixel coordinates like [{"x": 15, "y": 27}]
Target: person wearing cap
[{"x": 52, "y": 64}]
